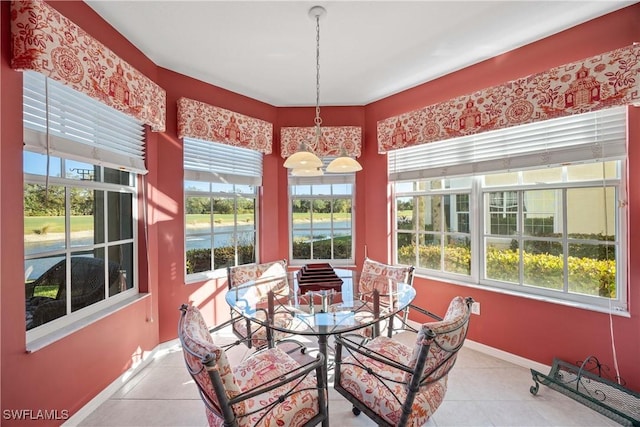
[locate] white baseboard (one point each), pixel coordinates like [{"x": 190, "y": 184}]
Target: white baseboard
[
  {"x": 498, "y": 354},
  {"x": 507, "y": 357},
  {"x": 112, "y": 388}
]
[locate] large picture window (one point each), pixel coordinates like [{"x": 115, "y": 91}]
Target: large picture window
[
  {"x": 563, "y": 237},
  {"x": 221, "y": 206},
  {"x": 79, "y": 213},
  {"x": 554, "y": 231},
  {"x": 322, "y": 218}
]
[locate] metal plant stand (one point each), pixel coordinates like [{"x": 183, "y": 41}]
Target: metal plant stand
[{"x": 584, "y": 382}]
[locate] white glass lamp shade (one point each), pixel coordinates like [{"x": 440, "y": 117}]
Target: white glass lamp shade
[
  {"x": 307, "y": 172},
  {"x": 303, "y": 160},
  {"x": 344, "y": 165}
]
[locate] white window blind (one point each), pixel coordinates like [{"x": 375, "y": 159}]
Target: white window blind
[
  {"x": 326, "y": 178},
  {"x": 216, "y": 162},
  {"x": 63, "y": 122},
  {"x": 599, "y": 135}
]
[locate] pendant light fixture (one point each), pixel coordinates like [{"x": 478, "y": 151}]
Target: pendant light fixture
[
  {"x": 344, "y": 164},
  {"x": 304, "y": 162},
  {"x": 307, "y": 172}
]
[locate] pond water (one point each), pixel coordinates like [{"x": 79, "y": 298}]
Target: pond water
[{"x": 36, "y": 267}]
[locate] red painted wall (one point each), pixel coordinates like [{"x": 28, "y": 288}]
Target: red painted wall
[
  {"x": 173, "y": 291},
  {"x": 529, "y": 328},
  {"x": 64, "y": 375},
  {"x": 68, "y": 373}
]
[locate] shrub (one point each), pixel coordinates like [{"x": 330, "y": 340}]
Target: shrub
[
  {"x": 322, "y": 248},
  {"x": 457, "y": 258},
  {"x": 587, "y": 275},
  {"x": 200, "y": 259}
]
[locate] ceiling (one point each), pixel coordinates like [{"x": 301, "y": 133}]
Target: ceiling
[{"x": 368, "y": 49}]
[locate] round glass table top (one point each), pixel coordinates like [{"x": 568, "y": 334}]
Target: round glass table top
[{"x": 322, "y": 306}]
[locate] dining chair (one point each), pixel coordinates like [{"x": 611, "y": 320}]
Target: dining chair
[
  {"x": 266, "y": 276},
  {"x": 268, "y": 388},
  {"x": 375, "y": 275},
  {"x": 394, "y": 384}
]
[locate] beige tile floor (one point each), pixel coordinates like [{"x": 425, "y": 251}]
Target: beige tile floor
[{"x": 483, "y": 391}]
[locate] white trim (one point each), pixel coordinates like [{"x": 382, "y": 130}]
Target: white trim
[{"x": 507, "y": 357}]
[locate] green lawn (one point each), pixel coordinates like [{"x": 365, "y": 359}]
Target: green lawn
[
  {"x": 242, "y": 218},
  {"x": 55, "y": 224}
]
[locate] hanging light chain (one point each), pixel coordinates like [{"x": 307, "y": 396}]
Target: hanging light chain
[{"x": 318, "y": 120}]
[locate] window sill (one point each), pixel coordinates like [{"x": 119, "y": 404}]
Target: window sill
[
  {"x": 541, "y": 298},
  {"x": 58, "y": 334},
  {"x": 220, "y": 273}
]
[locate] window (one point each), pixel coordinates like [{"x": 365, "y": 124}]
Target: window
[
  {"x": 321, "y": 218},
  {"x": 221, "y": 187},
  {"x": 551, "y": 227},
  {"x": 79, "y": 213},
  {"x": 433, "y": 224}
]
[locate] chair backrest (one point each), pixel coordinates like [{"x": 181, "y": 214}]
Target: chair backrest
[
  {"x": 198, "y": 347},
  {"x": 450, "y": 334},
  {"x": 267, "y": 276},
  {"x": 373, "y": 271}
]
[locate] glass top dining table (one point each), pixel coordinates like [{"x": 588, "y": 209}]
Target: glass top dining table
[{"x": 360, "y": 301}]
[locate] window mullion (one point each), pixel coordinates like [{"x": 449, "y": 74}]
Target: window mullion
[
  {"x": 520, "y": 234},
  {"x": 67, "y": 245},
  {"x": 565, "y": 242},
  {"x": 477, "y": 228}
]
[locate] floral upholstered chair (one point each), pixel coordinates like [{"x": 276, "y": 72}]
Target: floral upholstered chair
[
  {"x": 266, "y": 276},
  {"x": 375, "y": 276},
  {"x": 269, "y": 388},
  {"x": 396, "y": 385}
]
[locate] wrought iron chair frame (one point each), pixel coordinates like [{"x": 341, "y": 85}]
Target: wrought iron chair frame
[
  {"x": 227, "y": 413},
  {"x": 418, "y": 378},
  {"x": 405, "y": 312},
  {"x": 250, "y": 326},
  {"x": 403, "y": 315}
]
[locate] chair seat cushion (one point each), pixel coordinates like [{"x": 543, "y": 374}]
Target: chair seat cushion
[
  {"x": 384, "y": 396},
  {"x": 262, "y": 367}
]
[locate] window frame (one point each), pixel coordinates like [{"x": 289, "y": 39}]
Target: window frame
[
  {"x": 324, "y": 180},
  {"x": 218, "y": 164},
  {"x": 478, "y": 249},
  {"x": 211, "y": 195},
  {"x": 68, "y": 251},
  {"x": 442, "y": 234}
]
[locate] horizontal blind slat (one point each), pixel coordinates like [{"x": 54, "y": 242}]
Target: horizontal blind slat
[
  {"x": 217, "y": 162},
  {"x": 111, "y": 137},
  {"x": 591, "y": 136}
]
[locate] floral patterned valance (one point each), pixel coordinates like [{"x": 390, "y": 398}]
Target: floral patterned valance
[
  {"x": 206, "y": 122},
  {"x": 331, "y": 143},
  {"x": 603, "y": 81},
  {"x": 45, "y": 41}
]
